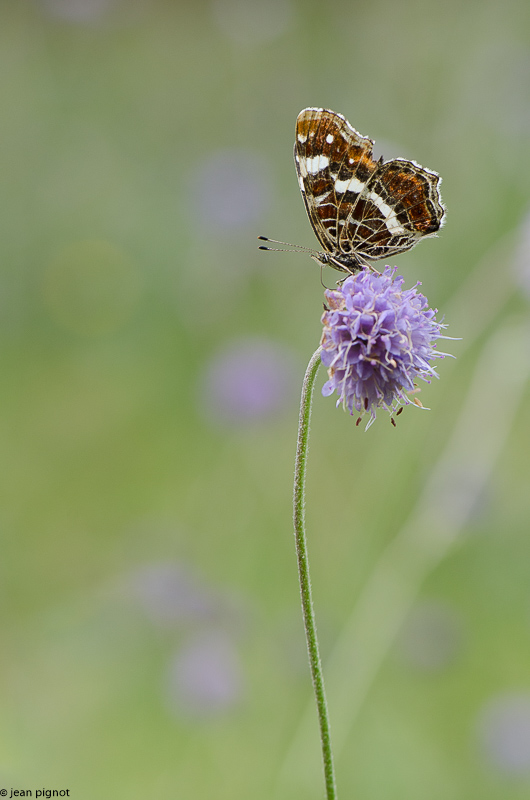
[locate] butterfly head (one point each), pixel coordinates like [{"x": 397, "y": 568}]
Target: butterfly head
[{"x": 343, "y": 262}]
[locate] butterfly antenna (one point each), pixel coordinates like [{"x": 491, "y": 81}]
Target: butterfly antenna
[{"x": 293, "y": 248}]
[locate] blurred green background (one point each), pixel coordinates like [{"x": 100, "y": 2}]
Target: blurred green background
[{"x": 152, "y": 357}]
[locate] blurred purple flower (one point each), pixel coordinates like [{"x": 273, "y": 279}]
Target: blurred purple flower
[
  {"x": 521, "y": 261},
  {"x": 377, "y": 340},
  {"x": 205, "y": 676},
  {"x": 251, "y": 22},
  {"x": 248, "y": 381},
  {"x": 231, "y": 190},
  {"x": 504, "y": 733},
  {"x": 463, "y": 495},
  {"x": 96, "y": 12},
  {"x": 171, "y": 594},
  {"x": 80, "y": 11},
  {"x": 431, "y": 637}
]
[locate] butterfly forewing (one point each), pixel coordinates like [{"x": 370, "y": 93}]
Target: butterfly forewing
[{"x": 329, "y": 151}]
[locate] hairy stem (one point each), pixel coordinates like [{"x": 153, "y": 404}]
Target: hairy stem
[{"x": 303, "y": 573}]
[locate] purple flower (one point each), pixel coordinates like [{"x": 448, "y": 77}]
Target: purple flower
[
  {"x": 248, "y": 381},
  {"x": 377, "y": 340},
  {"x": 205, "y": 677},
  {"x": 230, "y": 190},
  {"x": 504, "y": 733}
]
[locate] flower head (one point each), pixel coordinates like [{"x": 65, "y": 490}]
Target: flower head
[{"x": 377, "y": 340}]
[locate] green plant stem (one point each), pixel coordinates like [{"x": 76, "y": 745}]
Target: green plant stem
[{"x": 303, "y": 573}]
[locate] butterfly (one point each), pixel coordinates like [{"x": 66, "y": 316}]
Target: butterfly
[{"x": 361, "y": 210}]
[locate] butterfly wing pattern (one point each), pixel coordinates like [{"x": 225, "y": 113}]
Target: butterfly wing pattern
[{"x": 361, "y": 210}]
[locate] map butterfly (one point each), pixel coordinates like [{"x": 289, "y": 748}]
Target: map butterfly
[{"x": 361, "y": 210}]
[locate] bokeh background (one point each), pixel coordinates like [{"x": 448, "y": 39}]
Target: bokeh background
[{"x": 152, "y": 357}]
